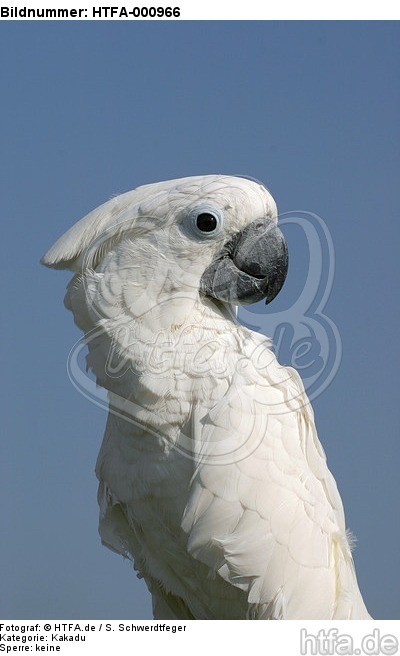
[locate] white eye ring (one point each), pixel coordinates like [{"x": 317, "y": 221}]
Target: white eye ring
[{"x": 205, "y": 221}]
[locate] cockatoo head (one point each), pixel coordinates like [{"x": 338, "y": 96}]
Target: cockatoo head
[{"x": 199, "y": 239}]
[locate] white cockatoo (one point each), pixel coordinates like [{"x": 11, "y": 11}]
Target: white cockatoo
[{"x": 211, "y": 476}]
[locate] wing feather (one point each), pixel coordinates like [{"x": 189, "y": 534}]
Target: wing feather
[{"x": 264, "y": 510}]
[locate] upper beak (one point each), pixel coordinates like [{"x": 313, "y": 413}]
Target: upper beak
[{"x": 251, "y": 266}]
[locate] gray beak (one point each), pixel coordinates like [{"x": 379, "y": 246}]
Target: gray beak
[{"x": 251, "y": 266}]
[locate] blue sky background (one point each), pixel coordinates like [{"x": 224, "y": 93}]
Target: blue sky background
[{"x": 89, "y": 110}]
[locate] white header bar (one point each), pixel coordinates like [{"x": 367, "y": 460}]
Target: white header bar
[{"x": 183, "y": 10}]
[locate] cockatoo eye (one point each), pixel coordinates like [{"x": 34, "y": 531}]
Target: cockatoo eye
[{"x": 206, "y": 222}]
